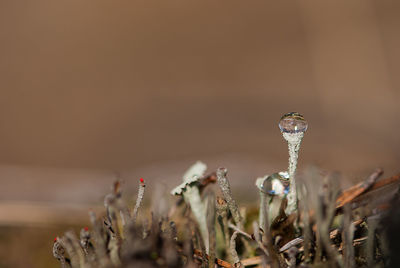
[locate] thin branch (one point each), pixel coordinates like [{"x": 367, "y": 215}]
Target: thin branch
[
  {"x": 226, "y": 191},
  {"x": 235, "y": 228},
  {"x": 199, "y": 254},
  {"x": 233, "y": 251},
  {"x": 351, "y": 193}
]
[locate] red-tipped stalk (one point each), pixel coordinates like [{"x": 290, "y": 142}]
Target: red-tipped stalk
[{"x": 139, "y": 199}]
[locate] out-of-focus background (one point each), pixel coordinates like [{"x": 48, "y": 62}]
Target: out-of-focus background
[{"x": 95, "y": 90}]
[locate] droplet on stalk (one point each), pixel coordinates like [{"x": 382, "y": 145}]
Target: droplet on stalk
[
  {"x": 292, "y": 126},
  {"x": 293, "y": 123}
]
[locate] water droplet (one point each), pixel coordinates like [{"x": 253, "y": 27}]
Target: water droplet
[
  {"x": 276, "y": 184},
  {"x": 293, "y": 123}
]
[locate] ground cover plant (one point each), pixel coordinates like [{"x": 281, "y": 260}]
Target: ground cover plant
[{"x": 301, "y": 221}]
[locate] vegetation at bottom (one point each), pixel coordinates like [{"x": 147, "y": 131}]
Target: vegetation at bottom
[{"x": 206, "y": 227}]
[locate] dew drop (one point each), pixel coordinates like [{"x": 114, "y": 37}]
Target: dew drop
[{"x": 293, "y": 123}]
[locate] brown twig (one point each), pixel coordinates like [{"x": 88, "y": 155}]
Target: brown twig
[
  {"x": 252, "y": 261},
  {"x": 206, "y": 180},
  {"x": 351, "y": 193},
  {"x": 199, "y": 254}
]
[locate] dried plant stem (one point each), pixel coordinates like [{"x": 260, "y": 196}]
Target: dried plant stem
[
  {"x": 100, "y": 239},
  {"x": 291, "y": 243},
  {"x": 222, "y": 211},
  {"x": 139, "y": 199},
  {"x": 252, "y": 261},
  {"x": 350, "y": 194},
  {"x": 219, "y": 262},
  {"x": 258, "y": 238},
  {"x": 233, "y": 251},
  {"x": 325, "y": 213},
  {"x": 292, "y": 256},
  {"x": 267, "y": 238},
  {"x": 72, "y": 245},
  {"x": 117, "y": 240},
  {"x": 262, "y": 217},
  {"x": 211, "y": 228},
  {"x": 372, "y": 226},
  {"x": 197, "y": 241},
  {"x": 235, "y": 228},
  {"x": 347, "y": 238},
  {"x": 307, "y": 232},
  {"x": 226, "y": 191}
]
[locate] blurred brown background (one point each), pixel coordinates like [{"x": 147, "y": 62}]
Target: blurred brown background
[{"x": 94, "y": 90}]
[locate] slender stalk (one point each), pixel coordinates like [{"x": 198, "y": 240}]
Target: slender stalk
[
  {"x": 226, "y": 191},
  {"x": 233, "y": 251},
  {"x": 294, "y": 141},
  {"x": 139, "y": 199}
]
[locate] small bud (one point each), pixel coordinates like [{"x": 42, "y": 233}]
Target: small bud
[{"x": 141, "y": 180}]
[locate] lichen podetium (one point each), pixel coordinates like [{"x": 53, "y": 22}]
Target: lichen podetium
[{"x": 293, "y": 126}]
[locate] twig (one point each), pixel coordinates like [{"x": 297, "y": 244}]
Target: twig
[
  {"x": 290, "y": 244},
  {"x": 100, "y": 239},
  {"x": 233, "y": 251},
  {"x": 251, "y": 261},
  {"x": 347, "y": 238},
  {"x": 292, "y": 256},
  {"x": 325, "y": 215},
  {"x": 211, "y": 228},
  {"x": 385, "y": 182},
  {"x": 234, "y": 227},
  {"x": 222, "y": 212},
  {"x": 72, "y": 246},
  {"x": 206, "y": 180},
  {"x": 220, "y": 262},
  {"x": 226, "y": 191},
  {"x": 372, "y": 226},
  {"x": 351, "y": 193},
  {"x": 307, "y": 232},
  {"x": 258, "y": 238},
  {"x": 188, "y": 248}
]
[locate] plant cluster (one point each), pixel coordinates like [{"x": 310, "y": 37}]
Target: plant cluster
[
  {"x": 307, "y": 222},
  {"x": 330, "y": 228}
]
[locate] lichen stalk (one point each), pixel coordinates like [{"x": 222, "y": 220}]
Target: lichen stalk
[
  {"x": 294, "y": 141},
  {"x": 262, "y": 210},
  {"x": 233, "y": 251},
  {"x": 226, "y": 191},
  {"x": 211, "y": 229},
  {"x": 139, "y": 199}
]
